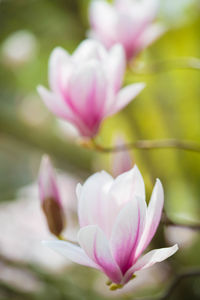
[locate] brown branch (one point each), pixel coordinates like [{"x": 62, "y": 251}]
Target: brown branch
[
  {"x": 176, "y": 281},
  {"x": 150, "y": 145},
  {"x": 44, "y": 140},
  {"x": 167, "y": 222},
  {"x": 174, "y": 284}
]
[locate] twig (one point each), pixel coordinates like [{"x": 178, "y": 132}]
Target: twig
[
  {"x": 44, "y": 139},
  {"x": 152, "y": 144},
  {"x": 173, "y": 285},
  {"x": 181, "y": 63},
  {"x": 176, "y": 281},
  {"x": 167, "y": 222}
]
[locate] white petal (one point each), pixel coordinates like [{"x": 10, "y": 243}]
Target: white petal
[
  {"x": 72, "y": 252},
  {"x": 115, "y": 66},
  {"x": 154, "y": 212},
  {"x": 59, "y": 58},
  {"x": 126, "y": 95},
  {"x": 128, "y": 185},
  {"x": 87, "y": 91},
  {"x": 89, "y": 49},
  {"x": 93, "y": 201},
  {"x": 103, "y": 18},
  {"x": 78, "y": 190},
  {"x": 150, "y": 259},
  {"x": 94, "y": 242},
  {"x": 127, "y": 231}
]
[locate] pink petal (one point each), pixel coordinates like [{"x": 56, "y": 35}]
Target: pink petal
[
  {"x": 87, "y": 92},
  {"x": 58, "y": 107},
  {"x": 154, "y": 212},
  {"x": 150, "y": 259},
  {"x": 94, "y": 242},
  {"x": 72, "y": 252},
  {"x": 152, "y": 33},
  {"x": 127, "y": 231},
  {"x": 55, "y": 104},
  {"x": 59, "y": 58},
  {"x": 93, "y": 204},
  {"x": 125, "y": 96}
]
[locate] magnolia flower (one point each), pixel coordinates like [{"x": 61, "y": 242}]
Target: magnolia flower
[
  {"x": 50, "y": 198},
  {"x": 129, "y": 22},
  {"x": 85, "y": 86},
  {"x": 116, "y": 226}
]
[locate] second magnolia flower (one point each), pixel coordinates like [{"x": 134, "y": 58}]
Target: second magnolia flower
[
  {"x": 116, "y": 226},
  {"x": 86, "y": 86}
]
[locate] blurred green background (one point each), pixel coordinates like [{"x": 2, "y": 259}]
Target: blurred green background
[{"x": 169, "y": 107}]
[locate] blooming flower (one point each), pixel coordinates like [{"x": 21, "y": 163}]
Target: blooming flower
[
  {"x": 85, "y": 86},
  {"x": 129, "y": 22},
  {"x": 116, "y": 226},
  {"x": 50, "y": 198}
]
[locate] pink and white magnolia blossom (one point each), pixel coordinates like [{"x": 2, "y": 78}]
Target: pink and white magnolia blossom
[
  {"x": 128, "y": 22},
  {"x": 86, "y": 86},
  {"x": 116, "y": 226}
]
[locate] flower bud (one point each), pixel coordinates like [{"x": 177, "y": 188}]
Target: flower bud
[
  {"x": 121, "y": 162},
  {"x": 50, "y": 198}
]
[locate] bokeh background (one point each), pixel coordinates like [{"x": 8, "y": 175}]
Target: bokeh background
[{"x": 169, "y": 107}]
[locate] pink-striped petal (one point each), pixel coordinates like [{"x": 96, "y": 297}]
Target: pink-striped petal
[
  {"x": 60, "y": 108},
  {"x": 127, "y": 231},
  {"x": 95, "y": 244},
  {"x": 154, "y": 212},
  {"x": 150, "y": 259},
  {"x": 55, "y": 104},
  {"x": 87, "y": 92},
  {"x": 126, "y": 95},
  {"x": 72, "y": 252}
]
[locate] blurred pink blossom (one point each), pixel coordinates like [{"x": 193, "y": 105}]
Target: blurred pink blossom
[
  {"x": 116, "y": 226},
  {"x": 120, "y": 161},
  {"x": 86, "y": 86},
  {"x": 128, "y": 22}
]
